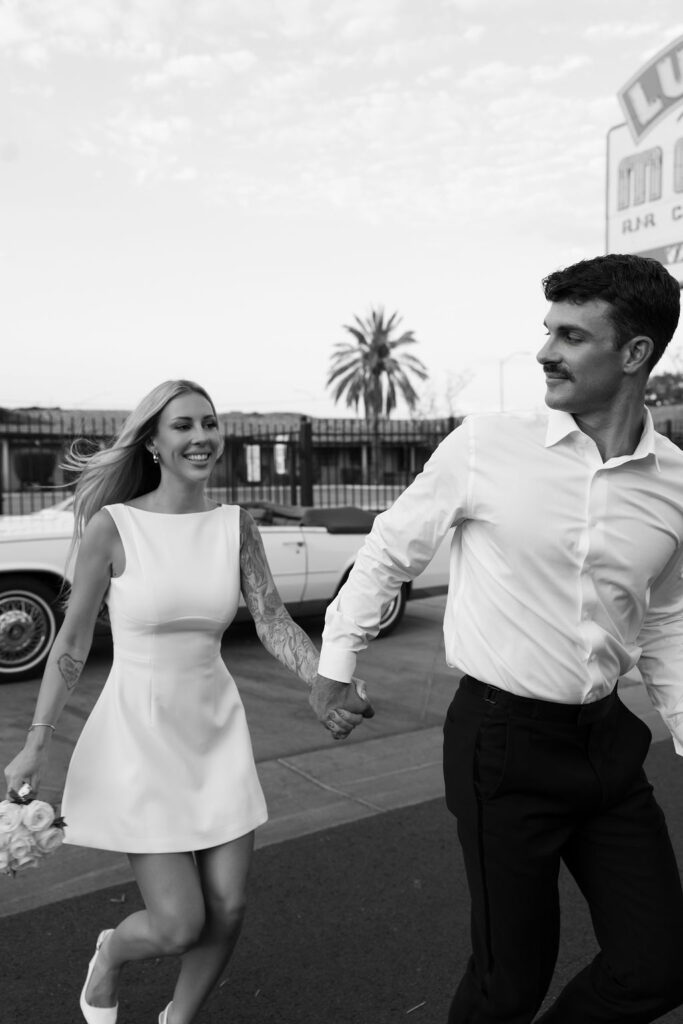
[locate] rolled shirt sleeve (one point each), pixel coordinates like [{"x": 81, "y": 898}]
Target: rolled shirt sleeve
[{"x": 401, "y": 544}]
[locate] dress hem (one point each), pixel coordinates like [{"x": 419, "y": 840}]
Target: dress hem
[{"x": 166, "y": 845}]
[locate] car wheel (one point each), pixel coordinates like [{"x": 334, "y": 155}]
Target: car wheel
[
  {"x": 29, "y": 621},
  {"x": 393, "y": 613}
]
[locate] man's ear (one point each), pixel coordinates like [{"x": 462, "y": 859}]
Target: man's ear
[{"x": 636, "y": 353}]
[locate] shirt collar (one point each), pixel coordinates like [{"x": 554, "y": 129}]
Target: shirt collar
[{"x": 562, "y": 424}]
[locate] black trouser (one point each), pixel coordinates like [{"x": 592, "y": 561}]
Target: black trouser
[{"x": 532, "y": 783}]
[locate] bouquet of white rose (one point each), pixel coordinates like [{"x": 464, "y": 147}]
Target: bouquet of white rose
[{"x": 29, "y": 831}]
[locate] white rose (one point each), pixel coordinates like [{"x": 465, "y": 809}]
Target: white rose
[
  {"x": 10, "y": 817},
  {"x": 49, "y": 840},
  {"x": 4, "y": 862},
  {"x": 22, "y": 851},
  {"x": 37, "y": 815}
]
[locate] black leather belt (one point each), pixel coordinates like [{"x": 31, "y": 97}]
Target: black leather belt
[{"x": 544, "y": 710}]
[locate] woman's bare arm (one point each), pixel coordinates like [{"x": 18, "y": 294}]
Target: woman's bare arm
[{"x": 92, "y": 575}]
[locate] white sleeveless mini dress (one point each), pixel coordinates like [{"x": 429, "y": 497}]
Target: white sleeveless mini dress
[{"x": 164, "y": 762}]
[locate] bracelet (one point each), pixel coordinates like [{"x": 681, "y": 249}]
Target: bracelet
[{"x": 43, "y": 725}]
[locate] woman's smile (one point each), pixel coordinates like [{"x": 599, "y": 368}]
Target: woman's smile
[{"x": 199, "y": 457}]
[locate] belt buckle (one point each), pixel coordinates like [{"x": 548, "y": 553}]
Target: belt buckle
[{"x": 490, "y": 695}]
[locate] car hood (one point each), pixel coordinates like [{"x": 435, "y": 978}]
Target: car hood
[{"x": 57, "y": 524}]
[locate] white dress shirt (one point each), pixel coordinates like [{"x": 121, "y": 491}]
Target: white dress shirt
[{"x": 565, "y": 571}]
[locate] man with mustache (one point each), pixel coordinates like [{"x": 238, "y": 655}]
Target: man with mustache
[{"x": 567, "y": 571}]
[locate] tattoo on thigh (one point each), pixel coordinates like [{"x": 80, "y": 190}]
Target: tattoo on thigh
[{"x": 70, "y": 670}]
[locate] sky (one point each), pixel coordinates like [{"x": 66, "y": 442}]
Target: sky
[{"x": 212, "y": 188}]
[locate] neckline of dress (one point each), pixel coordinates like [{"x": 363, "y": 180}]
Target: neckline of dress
[{"x": 170, "y": 515}]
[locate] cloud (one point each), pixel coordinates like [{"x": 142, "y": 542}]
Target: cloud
[
  {"x": 354, "y": 20},
  {"x": 287, "y": 81},
  {"x": 86, "y": 148},
  {"x": 200, "y": 70},
  {"x": 468, "y": 6},
  {"x": 151, "y": 147},
  {"x": 426, "y": 50},
  {"x": 34, "y": 54},
  {"x": 145, "y": 131},
  {"x": 480, "y": 6},
  {"x": 442, "y": 73},
  {"x": 9, "y": 152},
  {"x": 13, "y": 27},
  {"x": 498, "y": 76},
  {"x": 185, "y": 174},
  {"x": 493, "y": 76},
  {"x": 610, "y": 30},
  {"x": 90, "y": 27},
  {"x": 473, "y": 33},
  {"x": 552, "y": 72}
]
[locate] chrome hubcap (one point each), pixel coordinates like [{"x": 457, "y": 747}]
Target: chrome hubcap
[{"x": 23, "y": 629}]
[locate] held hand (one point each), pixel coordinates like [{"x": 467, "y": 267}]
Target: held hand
[
  {"x": 340, "y": 706},
  {"x": 25, "y": 767}
]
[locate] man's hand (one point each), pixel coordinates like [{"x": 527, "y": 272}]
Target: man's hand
[{"x": 340, "y": 706}]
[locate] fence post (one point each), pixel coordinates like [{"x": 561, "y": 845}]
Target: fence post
[
  {"x": 291, "y": 469},
  {"x": 306, "y": 461},
  {"x": 4, "y": 472}
]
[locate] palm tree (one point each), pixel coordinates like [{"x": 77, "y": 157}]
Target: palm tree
[{"x": 367, "y": 370}]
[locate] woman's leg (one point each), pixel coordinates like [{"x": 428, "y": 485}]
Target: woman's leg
[
  {"x": 171, "y": 922},
  {"x": 223, "y": 874}
]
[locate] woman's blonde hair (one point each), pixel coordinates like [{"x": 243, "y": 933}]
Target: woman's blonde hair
[{"x": 125, "y": 469}]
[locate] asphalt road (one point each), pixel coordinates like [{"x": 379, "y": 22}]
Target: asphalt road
[{"x": 363, "y": 923}]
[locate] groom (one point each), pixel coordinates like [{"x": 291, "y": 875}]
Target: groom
[{"x": 567, "y": 570}]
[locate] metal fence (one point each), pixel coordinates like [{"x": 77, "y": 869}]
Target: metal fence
[
  {"x": 292, "y": 461},
  {"x": 295, "y": 461}
]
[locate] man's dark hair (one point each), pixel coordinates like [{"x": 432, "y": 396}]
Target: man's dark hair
[{"x": 644, "y": 297}]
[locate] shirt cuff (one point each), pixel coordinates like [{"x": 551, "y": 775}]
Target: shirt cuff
[
  {"x": 674, "y": 723},
  {"x": 337, "y": 663}
]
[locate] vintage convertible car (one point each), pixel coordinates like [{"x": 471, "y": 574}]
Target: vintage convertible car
[{"x": 310, "y": 552}]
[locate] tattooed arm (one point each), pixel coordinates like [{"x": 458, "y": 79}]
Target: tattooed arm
[
  {"x": 284, "y": 639},
  {"x": 280, "y": 636},
  {"x": 92, "y": 574}
]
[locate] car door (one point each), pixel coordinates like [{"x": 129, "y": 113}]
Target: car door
[
  {"x": 329, "y": 557},
  {"x": 285, "y": 548}
]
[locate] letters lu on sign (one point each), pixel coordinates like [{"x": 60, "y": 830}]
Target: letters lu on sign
[{"x": 654, "y": 90}]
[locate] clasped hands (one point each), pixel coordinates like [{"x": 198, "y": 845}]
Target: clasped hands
[{"x": 340, "y": 706}]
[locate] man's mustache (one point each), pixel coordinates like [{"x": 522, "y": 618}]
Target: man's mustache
[{"x": 558, "y": 370}]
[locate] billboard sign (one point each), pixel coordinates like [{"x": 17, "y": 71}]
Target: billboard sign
[
  {"x": 654, "y": 91},
  {"x": 645, "y": 164}
]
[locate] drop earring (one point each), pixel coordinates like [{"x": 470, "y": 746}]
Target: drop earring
[{"x": 155, "y": 456}]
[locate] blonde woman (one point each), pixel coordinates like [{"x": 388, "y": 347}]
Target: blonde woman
[{"x": 163, "y": 769}]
